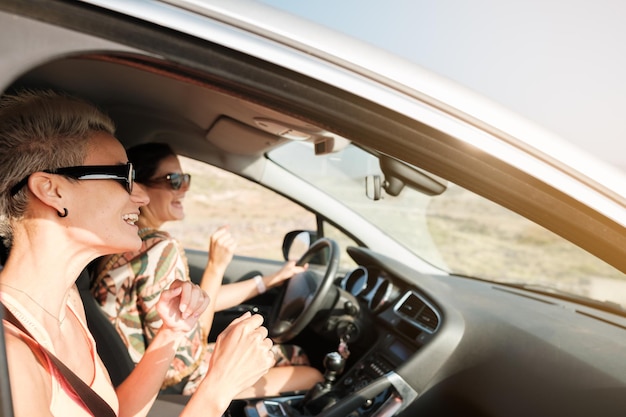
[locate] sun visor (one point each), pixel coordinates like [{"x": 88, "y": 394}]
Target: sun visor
[{"x": 238, "y": 138}]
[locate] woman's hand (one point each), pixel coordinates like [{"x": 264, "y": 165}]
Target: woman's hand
[
  {"x": 288, "y": 270},
  {"x": 181, "y": 304},
  {"x": 222, "y": 247},
  {"x": 242, "y": 355}
]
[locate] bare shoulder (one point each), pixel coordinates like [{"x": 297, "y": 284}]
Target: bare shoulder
[{"x": 30, "y": 381}]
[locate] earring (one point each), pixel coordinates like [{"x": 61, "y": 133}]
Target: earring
[{"x": 64, "y": 213}]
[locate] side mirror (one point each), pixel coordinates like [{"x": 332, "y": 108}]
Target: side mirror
[{"x": 296, "y": 243}]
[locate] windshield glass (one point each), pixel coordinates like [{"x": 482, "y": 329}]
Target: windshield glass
[{"x": 458, "y": 231}]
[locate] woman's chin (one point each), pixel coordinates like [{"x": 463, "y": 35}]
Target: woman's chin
[
  {"x": 177, "y": 214},
  {"x": 130, "y": 244}
]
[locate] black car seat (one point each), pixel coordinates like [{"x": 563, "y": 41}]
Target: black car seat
[
  {"x": 4, "y": 253},
  {"x": 109, "y": 344}
]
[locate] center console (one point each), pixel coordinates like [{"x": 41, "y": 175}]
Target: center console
[
  {"x": 361, "y": 391},
  {"x": 370, "y": 387}
]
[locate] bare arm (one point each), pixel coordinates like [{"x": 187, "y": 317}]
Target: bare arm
[
  {"x": 236, "y": 293},
  {"x": 221, "y": 249},
  {"x": 139, "y": 390},
  {"x": 27, "y": 377},
  {"x": 242, "y": 355},
  {"x": 179, "y": 308}
]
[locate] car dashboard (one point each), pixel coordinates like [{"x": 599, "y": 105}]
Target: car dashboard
[
  {"x": 395, "y": 321},
  {"x": 404, "y": 318},
  {"x": 450, "y": 345}
]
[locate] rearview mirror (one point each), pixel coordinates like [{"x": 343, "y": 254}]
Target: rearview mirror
[{"x": 397, "y": 175}]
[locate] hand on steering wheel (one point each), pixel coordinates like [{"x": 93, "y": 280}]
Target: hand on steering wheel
[{"x": 305, "y": 293}]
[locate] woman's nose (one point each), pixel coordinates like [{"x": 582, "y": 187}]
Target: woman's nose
[{"x": 139, "y": 195}]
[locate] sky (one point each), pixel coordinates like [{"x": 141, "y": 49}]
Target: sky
[{"x": 561, "y": 64}]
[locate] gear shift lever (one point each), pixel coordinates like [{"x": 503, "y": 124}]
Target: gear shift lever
[{"x": 334, "y": 364}]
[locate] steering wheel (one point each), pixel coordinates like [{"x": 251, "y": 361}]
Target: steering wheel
[{"x": 304, "y": 293}]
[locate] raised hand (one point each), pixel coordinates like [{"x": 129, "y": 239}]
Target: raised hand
[
  {"x": 242, "y": 354},
  {"x": 222, "y": 247},
  {"x": 181, "y": 305}
]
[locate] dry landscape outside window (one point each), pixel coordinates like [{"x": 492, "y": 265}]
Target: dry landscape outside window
[
  {"x": 471, "y": 235},
  {"x": 258, "y": 218},
  {"x": 488, "y": 241}
]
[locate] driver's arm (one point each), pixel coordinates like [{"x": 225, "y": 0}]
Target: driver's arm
[
  {"x": 230, "y": 295},
  {"x": 221, "y": 250}
]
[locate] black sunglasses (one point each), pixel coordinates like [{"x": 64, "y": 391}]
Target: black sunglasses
[
  {"x": 176, "y": 180},
  {"x": 124, "y": 174}
]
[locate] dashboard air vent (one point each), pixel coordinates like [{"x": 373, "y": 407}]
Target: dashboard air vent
[
  {"x": 418, "y": 312},
  {"x": 428, "y": 318},
  {"x": 411, "y": 306}
]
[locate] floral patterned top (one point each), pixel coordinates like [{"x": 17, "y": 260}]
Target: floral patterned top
[{"x": 128, "y": 286}]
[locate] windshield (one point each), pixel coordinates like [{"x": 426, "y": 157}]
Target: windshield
[{"x": 458, "y": 231}]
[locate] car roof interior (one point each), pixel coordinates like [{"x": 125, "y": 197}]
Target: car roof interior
[
  {"x": 228, "y": 109},
  {"x": 154, "y": 104}
]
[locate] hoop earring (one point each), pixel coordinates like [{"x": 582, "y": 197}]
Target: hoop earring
[{"x": 64, "y": 213}]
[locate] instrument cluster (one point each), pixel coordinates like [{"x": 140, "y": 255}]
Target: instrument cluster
[{"x": 375, "y": 289}]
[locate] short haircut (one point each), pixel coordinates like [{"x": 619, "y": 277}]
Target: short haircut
[{"x": 41, "y": 129}]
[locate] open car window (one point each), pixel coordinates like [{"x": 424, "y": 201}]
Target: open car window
[
  {"x": 458, "y": 230},
  {"x": 258, "y": 217}
]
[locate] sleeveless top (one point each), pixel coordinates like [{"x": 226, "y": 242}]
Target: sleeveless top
[{"x": 61, "y": 403}]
